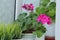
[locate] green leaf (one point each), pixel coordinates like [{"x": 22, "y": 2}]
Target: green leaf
[
  {"x": 22, "y": 16},
  {"x": 40, "y": 9},
  {"x": 38, "y": 33},
  {"x": 51, "y": 12},
  {"x": 44, "y": 2},
  {"x": 28, "y": 21}
]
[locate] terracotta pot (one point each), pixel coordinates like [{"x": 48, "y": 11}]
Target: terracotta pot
[{"x": 49, "y": 38}]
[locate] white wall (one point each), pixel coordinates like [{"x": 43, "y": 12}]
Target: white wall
[
  {"x": 57, "y": 28},
  {"x": 6, "y": 11}
]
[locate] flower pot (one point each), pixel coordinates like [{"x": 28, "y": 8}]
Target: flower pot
[
  {"x": 29, "y": 37},
  {"x": 41, "y": 38},
  {"x": 50, "y": 33},
  {"x": 49, "y": 38}
]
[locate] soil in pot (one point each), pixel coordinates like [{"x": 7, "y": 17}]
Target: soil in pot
[
  {"x": 28, "y": 31},
  {"x": 49, "y": 38}
]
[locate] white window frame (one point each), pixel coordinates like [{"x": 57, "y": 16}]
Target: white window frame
[
  {"x": 57, "y": 27},
  {"x": 18, "y": 8}
]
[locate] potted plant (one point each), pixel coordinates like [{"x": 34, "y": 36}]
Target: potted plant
[
  {"x": 30, "y": 26},
  {"x": 9, "y": 31},
  {"x": 17, "y": 32},
  {"x": 48, "y": 12},
  {"x": 6, "y": 31}
]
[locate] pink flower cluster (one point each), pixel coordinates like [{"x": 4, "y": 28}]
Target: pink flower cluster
[
  {"x": 28, "y": 7},
  {"x": 44, "y": 19}
]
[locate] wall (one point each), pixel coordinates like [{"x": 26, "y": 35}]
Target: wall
[{"x": 6, "y": 11}]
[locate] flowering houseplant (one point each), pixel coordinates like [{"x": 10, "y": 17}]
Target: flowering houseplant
[
  {"x": 50, "y": 10},
  {"x": 47, "y": 13},
  {"x": 31, "y": 24}
]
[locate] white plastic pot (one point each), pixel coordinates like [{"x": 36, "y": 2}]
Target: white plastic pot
[
  {"x": 29, "y": 37},
  {"x": 50, "y": 29}
]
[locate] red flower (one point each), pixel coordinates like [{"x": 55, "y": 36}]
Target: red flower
[
  {"x": 28, "y": 7},
  {"x": 44, "y": 19}
]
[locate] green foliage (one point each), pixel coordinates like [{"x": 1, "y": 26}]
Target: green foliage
[
  {"x": 21, "y": 17},
  {"x": 17, "y": 31},
  {"x": 27, "y": 23},
  {"x": 51, "y": 13},
  {"x": 40, "y": 10},
  {"x": 49, "y": 10},
  {"x": 39, "y": 31},
  {"x": 21, "y": 20},
  {"x": 44, "y": 2},
  {"x": 7, "y": 32},
  {"x": 2, "y": 31},
  {"x": 30, "y": 22}
]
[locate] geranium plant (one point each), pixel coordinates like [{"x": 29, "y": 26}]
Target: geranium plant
[
  {"x": 34, "y": 23},
  {"x": 46, "y": 15},
  {"x": 30, "y": 24},
  {"x": 48, "y": 10}
]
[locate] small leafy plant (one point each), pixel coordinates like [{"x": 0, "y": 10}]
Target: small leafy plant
[
  {"x": 17, "y": 31},
  {"x": 7, "y": 32}
]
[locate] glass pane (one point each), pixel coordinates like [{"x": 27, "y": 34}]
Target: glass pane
[{"x": 7, "y": 10}]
